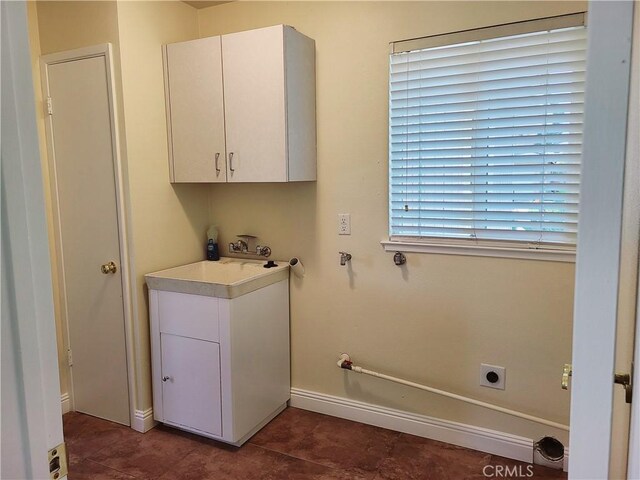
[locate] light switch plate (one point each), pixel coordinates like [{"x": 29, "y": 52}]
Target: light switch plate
[{"x": 344, "y": 224}]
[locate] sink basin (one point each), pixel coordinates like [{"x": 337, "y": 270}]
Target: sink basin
[{"x": 226, "y": 278}]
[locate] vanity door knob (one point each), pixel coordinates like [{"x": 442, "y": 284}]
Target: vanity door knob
[{"x": 165, "y": 378}]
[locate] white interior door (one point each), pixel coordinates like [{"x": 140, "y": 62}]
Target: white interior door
[
  {"x": 600, "y": 256},
  {"x": 191, "y": 394},
  {"x": 196, "y": 111},
  {"x": 30, "y": 404},
  {"x": 82, "y": 150},
  {"x": 254, "y": 103}
]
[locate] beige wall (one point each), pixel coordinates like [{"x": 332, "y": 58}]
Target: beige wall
[
  {"x": 436, "y": 321},
  {"x": 169, "y": 222},
  {"x": 68, "y": 25}
]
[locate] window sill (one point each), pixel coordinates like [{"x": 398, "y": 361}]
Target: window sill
[{"x": 501, "y": 251}]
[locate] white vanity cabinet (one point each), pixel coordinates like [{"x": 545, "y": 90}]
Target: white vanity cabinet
[
  {"x": 241, "y": 107},
  {"x": 220, "y": 366}
]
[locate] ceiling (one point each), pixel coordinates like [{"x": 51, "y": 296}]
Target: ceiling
[{"x": 202, "y": 3}]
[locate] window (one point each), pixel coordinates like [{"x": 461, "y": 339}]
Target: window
[{"x": 485, "y": 136}]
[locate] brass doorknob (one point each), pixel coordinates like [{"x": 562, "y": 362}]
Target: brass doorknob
[{"x": 108, "y": 268}]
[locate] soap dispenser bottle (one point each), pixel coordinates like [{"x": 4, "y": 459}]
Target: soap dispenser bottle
[
  {"x": 212, "y": 250},
  {"x": 212, "y": 244}
]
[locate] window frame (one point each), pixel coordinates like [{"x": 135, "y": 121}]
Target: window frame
[{"x": 472, "y": 246}]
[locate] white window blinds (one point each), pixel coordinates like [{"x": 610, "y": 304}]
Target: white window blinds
[{"x": 485, "y": 138}]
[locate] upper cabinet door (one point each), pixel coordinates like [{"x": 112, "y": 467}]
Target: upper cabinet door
[
  {"x": 195, "y": 111},
  {"x": 255, "y": 112}
]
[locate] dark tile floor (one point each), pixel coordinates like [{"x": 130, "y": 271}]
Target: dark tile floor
[{"x": 296, "y": 445}]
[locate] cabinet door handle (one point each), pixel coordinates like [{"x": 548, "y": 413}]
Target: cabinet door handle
[
  {"x": 165, "y": 378},
  {"x": 217, "y": 167},
  {"x": 231, "y": 162}
]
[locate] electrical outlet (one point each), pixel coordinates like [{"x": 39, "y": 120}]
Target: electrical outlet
[
  {"x": 492, "y": 376},
  {"x": 344, "y": 224}
]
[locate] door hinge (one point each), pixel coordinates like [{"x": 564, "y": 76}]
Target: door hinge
[
  {"x": 69, "y": 357},
  {"x": 626, "y": 380},
  {"x": 49, "y": 106},
  {"x": 567, "y": 371},
  {"x": 58, "y": 462}
]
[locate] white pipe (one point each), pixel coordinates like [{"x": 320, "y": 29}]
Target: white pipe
[{"x": 514, "y": 413}]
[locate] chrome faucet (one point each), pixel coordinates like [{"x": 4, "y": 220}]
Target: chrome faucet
[
  {"x": 247, "y": 245},
  {"x": 239, "y": 247},
  {"x": 344, "y": 258},
  {"x": 263, "y": 251}
]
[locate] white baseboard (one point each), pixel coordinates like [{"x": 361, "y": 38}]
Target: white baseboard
[
  {"x": 65, "y": 401},
  {"x": 143, "y": 420},
  {"x": 476, "y": 438}
]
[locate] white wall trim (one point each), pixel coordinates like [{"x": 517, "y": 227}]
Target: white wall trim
[
  {"x": 475, "y": 250},
  {"x": 143, "y": 420},
  {"x": 65, "y": 402},
  {"x": 469, "y": 436}
]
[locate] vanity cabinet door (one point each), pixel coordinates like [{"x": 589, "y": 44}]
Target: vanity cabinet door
[
  {"x": 191, "y": 395},
  {"x": 195, "y": 111}
]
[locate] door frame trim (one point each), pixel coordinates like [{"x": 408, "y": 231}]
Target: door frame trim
[
  {"x": 599, "y": 237},
  {"x": 25, "y": 262},
  {"x": 633, "y": 158},
  {"x": 102, "y": 50}
]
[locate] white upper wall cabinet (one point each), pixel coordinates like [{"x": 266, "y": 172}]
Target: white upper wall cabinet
[
  {"x": 195, "y": 111},
  {"x": 264, "y": 80}
]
